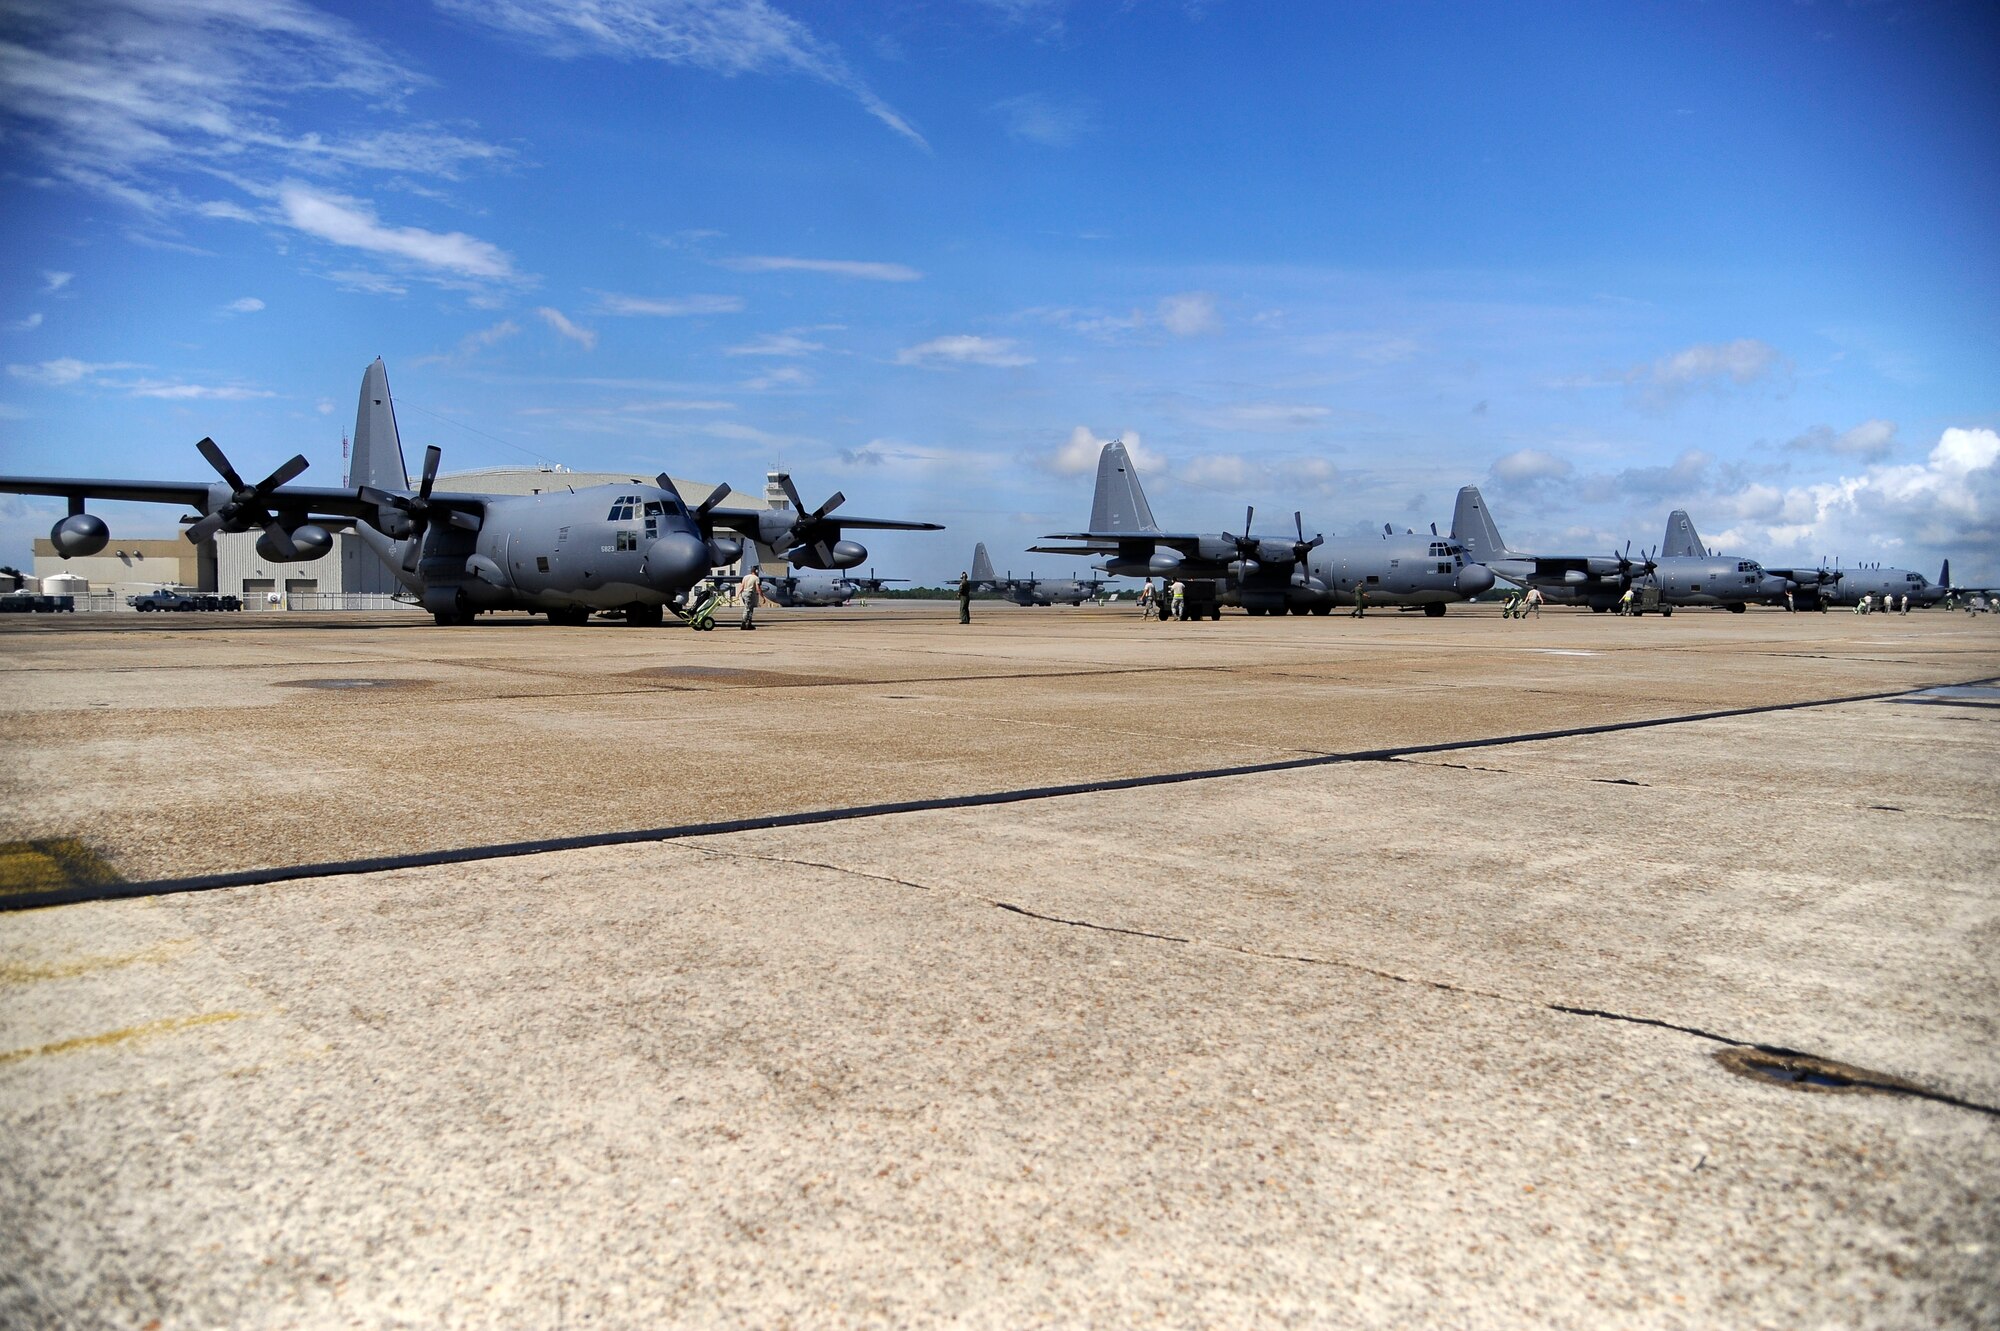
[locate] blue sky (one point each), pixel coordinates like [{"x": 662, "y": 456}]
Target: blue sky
[{"x": 1602, "y": 260}]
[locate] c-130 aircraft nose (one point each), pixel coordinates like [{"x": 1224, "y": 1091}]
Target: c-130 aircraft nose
[
  {"x": 678, "y": 559},
  {"x": 1474, "y": 579}
]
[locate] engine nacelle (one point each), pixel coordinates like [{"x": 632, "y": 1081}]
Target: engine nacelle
[
  {"x": 1165, "y": 563},
  {"x": 842, "y": 554},
  {"x": 79, "y": 534},
  {"x": 1215, "y": 550},
  {"x": 309, "y": 541},
  {"x": 724, "y": 550},
  {"x": 1245, "y": 569}
]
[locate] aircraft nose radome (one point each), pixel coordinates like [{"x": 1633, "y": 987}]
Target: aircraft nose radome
[
  {"x": 676, "y": 560},
  {"x": 1474, "y": 579}
]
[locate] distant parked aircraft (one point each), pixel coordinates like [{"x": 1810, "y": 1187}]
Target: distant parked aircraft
[{"x": 1031, "y": 590}]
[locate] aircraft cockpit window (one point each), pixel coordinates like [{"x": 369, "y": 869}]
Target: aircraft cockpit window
[{"x": 623, "y": 509}]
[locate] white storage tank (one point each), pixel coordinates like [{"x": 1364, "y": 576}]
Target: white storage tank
[{"x": 65, "y": 584}]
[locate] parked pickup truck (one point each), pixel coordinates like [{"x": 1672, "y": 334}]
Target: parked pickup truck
[{"x": 166, "y": 598}]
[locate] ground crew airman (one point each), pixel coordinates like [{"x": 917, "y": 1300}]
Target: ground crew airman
[
  {"x": 1534, "y": 602},
  {"x": 1179, "y": 592},
  {"x": 750, "y": 591},
  {"x": 1625, "y": 602},
  {"x": 1146, "y": 599},
  {"x": 964, "y": 598},
  {"x": 1360, "y": 601}
]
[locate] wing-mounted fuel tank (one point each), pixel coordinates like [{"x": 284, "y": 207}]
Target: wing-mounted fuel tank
[{"x": 79, "y": 534}]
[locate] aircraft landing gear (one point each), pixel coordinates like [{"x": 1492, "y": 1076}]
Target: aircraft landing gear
[
  {"x": 445, "y": 619},
  {"x": 645, "y": 616},
  {"x": 570, "y": 616},
  {"x": 1435, "y": 610}
]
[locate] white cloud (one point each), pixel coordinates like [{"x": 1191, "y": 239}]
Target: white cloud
[
  {"x": 1262, "y": 416},
  {"x": 776, "y": 344},
  {"x": 554, "y": 318},
  {"x": 666, "y": 307},
  {"x": 964, "y": 349},
  {"x": 870, "y": 271},
  {"x": 26, "y": 323},
  {"x": 727, "y": 37},
  {"x": 1947, "y": 506},
  {"x": 1189, "y": 313},
  {"x": 66, "y": 371},
  {"x": 161, "y": 388},
  {"x": 1078, "y": 456},
  {"x": 473, "y": 343},
  {"x": 72, "y": 373},
  {"x": 1707, "y": 365},
  {"x": 243, "y": 305},
  {"x": 1527, "y": 466},
  {"x": 1034, "y": 118},
  {"x": 351, "y": 222},
  {"x": 53, "y": 282},
  {"x": 782, "y": 376},
  {"x": 129, "y": 98},
  {"x": 1870, "y": 440}
]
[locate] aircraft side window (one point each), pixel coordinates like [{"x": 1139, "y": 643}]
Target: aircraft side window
[
  {"x": 1444, "y": 566},
  {"x": 628, "y": 540},
  {"x": 1374, "y": 578},
  {"x": 541, "y": 563}
]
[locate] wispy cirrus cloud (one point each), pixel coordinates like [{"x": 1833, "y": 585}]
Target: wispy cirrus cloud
[
  {"x": 556, "y": 319},
  {"x": 139, "y": 99},
  {"x": 1040, "y": 119},
  {"x": 341, "y": 220},
  {"x": 870, "y": 271},
  {"x": 666, "y": 307},
  {"x": 1708, "y": 366},
  {"x": 727, "y": 37},
  {"x": 243, "y": 305},
  {"x": 69, "y": 372},
  {"x": 965, "y": 349},
  {"x": 789, "y": 343}
]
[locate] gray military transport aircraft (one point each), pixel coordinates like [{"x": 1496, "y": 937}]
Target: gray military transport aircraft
[
  {"x": 1598, "y": 581},
  {"x": 1266, "y": 575},
  {"x": 1030, "y": 590},
  {"x": 627, "y": 547},
  {"x": 824, "y": 590}
]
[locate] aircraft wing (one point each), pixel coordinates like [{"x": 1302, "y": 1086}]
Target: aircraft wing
[
  {"x": 192, "y": 494},
  {"x": 198, "y": 495},
  {"x": 747, "y": 521}
]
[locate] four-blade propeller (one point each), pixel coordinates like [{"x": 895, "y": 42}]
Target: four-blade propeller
[{"x": 249, "y": 506}]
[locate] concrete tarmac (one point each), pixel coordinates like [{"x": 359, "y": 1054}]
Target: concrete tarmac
[{"x": 1428, "y": 1039}]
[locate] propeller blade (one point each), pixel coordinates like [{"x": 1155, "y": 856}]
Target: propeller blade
[
  {"x": 791, "y": 492},
  {"x": 715, "y": 496},
  {"x": 831, "y": 504},
  {"x": 204, "y": 528},
  {"x": 666, "y": 482},
  {"x": 283, "y": 475},
  {"x": 216, "y": 460},
  {"x": 1299, "y": 525},
  {"x": 413, "y": 550},
  {"x": 431, "y": 456},
  {"x": 462, "y": 521},
  {"x": 281, "y": 540}
]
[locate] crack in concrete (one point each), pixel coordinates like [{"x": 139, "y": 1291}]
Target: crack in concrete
[{"x": 1890, "y": 1087}]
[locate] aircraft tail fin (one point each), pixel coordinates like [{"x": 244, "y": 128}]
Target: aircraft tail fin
[
  {"x": 982, "y": 566},
  {"x": 377, "y": 459},
  {"x": 1944, "y": 575},
  {"x": 1119, "y": 504},
  {"x": 1682, "y": 539},
  {"x": 1472, "y": 527}
]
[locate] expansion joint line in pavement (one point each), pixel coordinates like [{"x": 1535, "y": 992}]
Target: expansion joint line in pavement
[
  {"x": 427, "y": 859},
  {"x": 1897, "y": 1087}
]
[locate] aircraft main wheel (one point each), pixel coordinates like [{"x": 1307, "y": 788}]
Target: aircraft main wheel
[
  {"x": 570, "y": 616},
  {"x": 645, "y": 616},
  {"x": 1322, "y": 609},
  {"x": 1666, "y": 610},
  {"x": 1737, "y": 607},
  {"x": 1435, "y": 610}
]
